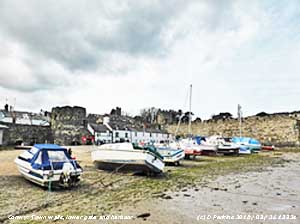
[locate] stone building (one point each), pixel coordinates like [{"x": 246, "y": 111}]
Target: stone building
[
  {"x": 20, "y": 127},
  {"x": 68, "y": 124}
]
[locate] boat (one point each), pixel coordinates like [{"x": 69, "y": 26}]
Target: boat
[
  {"x": 268, "y": 147},
  {"x": 49, "y": 165},
  {"x": 252, "y": 144},
  {"x": 171, "y": 155},
  {"x": 224, "y": 145},
  {"x": 207, "y": 148},
  {"x": 128, "y": 157},
  {"x": 244, "y": 150},
  {"x": 189, "y": 147}
]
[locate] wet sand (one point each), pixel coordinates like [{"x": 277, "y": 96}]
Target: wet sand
[{"x": 255, "y": 197}]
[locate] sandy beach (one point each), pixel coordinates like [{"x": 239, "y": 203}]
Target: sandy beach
[{"x": 264, "y": 185}]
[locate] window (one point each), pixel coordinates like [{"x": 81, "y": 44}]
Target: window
[
  {"x": 33, "y": 150},
  {"x": 150, "y": 134},
  {"x": 135, "y": 134},
  {"x": 39, "y": 159},
  {"x": 126, "y": 135},
  {"x": 117, "y": 134},
  {"x": 57, "y": 156}
]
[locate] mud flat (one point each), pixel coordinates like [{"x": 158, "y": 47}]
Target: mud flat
[
  {"x": 271, "y": 195},
  {"x": 266, "y": 183}
]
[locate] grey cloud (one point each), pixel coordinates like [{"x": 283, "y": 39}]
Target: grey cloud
[{"x": 81, "y": 34}]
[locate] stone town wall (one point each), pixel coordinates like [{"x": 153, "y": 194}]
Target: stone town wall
[
  {"x": 28, "y": 134},
  {"x": 68, "y": 124},
  {"x": 278, "y": 129}
]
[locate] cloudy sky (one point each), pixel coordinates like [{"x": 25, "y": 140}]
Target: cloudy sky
[{"x": 142, "y": 53}]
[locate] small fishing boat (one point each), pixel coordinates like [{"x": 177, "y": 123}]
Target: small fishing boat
[
  {"x": 128, "y": 157},
  {"x": 49, "y": 164},
  {"x": 252, "y": 144},
  {"x": 224, "y": 145},
  {"x": 171, "y": 155}
]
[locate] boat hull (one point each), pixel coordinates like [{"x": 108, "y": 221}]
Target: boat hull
[
  {"x": 171, "y": 155},
  {"x": 127, "y": 160},
  {"x": 268, "y": 147},
  {"x": 244, "y": 150},
  {"x": 228, "y": 150},
  {"x": 40, "y": 177}
]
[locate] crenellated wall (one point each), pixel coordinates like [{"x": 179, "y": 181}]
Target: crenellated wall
[
  {"x": 68, "y": 124},
  {"x": 278, "y": 129}
]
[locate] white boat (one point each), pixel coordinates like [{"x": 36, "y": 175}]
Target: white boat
[
  {"x": 171, "y": 155},
  {"x": 127, "y": 157},
  {"x": 190, "y": 147},
  {"x": 49, "y": 164},
  {"x": 224, "y": 146}
]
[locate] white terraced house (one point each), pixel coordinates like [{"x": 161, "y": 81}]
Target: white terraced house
[{"x": 111, "y": 133}]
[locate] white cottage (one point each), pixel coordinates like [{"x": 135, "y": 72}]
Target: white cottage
[
  {"x": 101, "y": 132},
  {"x": 123, "y": 132}
]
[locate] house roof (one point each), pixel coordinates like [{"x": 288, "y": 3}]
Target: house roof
[
  {"x": 23, "y": 114},
  {"x": 99, "y": 127}
]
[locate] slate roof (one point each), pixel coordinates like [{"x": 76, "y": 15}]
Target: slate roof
[{"x": 99, "y": 127}]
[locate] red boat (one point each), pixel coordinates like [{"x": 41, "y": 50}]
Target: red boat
[{"x": 268, "y": 147}]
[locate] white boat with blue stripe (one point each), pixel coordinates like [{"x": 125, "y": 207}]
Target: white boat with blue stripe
[
  {"x": 46, "y": 164},
  {"x": 171, "y": 155}
]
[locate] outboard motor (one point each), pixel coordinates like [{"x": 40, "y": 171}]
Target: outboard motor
[{"x": 67, "y": 177}]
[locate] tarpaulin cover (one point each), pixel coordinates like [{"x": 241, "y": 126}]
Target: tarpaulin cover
[{"x": 43, "y": 154}]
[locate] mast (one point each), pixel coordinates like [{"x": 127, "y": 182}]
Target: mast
[
  {"x": 190, "y": 111},
  {"x": 240, "y": 118}
]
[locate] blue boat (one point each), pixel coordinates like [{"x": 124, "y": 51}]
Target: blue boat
[
  {"x": 49, "y": 164},
  {"x": 247, "y": 143}
]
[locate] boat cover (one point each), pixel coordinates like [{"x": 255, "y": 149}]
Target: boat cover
[
  {"x": 150, "y": 148},
  {"x": 58, "y": 156},
  {"x": 198, "y": 139}
]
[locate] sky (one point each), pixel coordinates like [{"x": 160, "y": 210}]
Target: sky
[{"x": 137, "y": 54}]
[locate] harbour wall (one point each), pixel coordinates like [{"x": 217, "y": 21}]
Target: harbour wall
[
  {"x": 276, "y": 129},
  {"x": 28, "y": 134}
]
